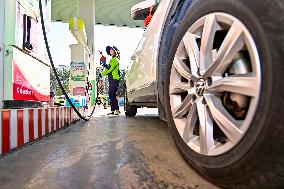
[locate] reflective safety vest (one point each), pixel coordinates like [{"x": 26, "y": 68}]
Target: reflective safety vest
[{"x": 112, "y": 69}]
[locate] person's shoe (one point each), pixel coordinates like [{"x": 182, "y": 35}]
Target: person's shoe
[
  {"x": 111, "y": 113},
  {"x": 116, "y": 112}
]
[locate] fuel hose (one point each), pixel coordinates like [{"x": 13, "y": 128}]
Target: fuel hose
[{"x": 87, "y": 118}]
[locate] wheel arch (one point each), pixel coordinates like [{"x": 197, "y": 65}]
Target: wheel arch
[{"x": 174, "y": 16}]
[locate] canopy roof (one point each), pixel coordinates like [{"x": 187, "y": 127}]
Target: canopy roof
[{"x": 106, "y": 12}]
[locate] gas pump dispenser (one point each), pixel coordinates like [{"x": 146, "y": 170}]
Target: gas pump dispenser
[
  {"x": 78, "y": 73},
  {"x": 24, "y": 68}
]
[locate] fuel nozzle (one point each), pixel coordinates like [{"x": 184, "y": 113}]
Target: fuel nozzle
[{"x": 102, "y": 59}]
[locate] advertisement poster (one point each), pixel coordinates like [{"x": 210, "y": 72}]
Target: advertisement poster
[
  {"x": 77, "y": 71},
  {"x": 28, "y": 34},
  {"x": 26, "y": 8},
  {"x": 28, "y": 84},
  {"x": 79, "y": 91}
]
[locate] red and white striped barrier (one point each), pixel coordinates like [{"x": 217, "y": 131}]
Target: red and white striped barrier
[{"x": 21, "y": 126}]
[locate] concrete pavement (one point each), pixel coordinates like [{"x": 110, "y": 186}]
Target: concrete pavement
[{"x": 107, "y": 152}]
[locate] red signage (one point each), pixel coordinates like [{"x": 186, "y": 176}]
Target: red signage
[{"x": 22, "y": 90}]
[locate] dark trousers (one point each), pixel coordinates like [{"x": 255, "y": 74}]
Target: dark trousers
[{"x": 113, "y": 87}]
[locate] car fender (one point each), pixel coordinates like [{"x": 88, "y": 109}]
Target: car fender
[{"x": 173, "y": 19}]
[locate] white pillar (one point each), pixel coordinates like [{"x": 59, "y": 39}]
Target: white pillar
[
  {"x": 86, "y": 11},
  {"x": 78, "y": 69}
]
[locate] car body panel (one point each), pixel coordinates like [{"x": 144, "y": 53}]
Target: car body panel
[{"x": 143, "y": 71}]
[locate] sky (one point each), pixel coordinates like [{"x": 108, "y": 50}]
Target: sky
[{"x": 126, "y": 39}]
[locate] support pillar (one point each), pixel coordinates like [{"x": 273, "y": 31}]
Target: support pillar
[{"x": 78, "y": 70}]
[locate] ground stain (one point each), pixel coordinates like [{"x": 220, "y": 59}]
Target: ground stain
[{"x": 103, "y": 153}]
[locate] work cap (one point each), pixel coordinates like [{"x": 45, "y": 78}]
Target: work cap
[
  {"x": 117, "y": 52},
  {"x": 108, "y": 49}
]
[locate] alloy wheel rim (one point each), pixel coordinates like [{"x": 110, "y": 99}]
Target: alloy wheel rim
[{"x": 215, "y": 84}]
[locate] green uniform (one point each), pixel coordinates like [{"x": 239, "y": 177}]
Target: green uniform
[{"x": 112, "y": 70}]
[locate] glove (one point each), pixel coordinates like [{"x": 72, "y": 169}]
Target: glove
[{"x": 107, "y": 66}]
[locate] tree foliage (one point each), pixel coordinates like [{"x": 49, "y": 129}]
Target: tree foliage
[{"x": 64, "y": 79}]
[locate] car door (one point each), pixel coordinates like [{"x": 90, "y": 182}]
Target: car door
[
  {"x": 135, "y": 73},
  {"x": 143, "y": 71}
]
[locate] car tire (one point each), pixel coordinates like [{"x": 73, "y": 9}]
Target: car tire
[
  {"x": 130, "y": 110},
  {"x": 257, "y": 160}
]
